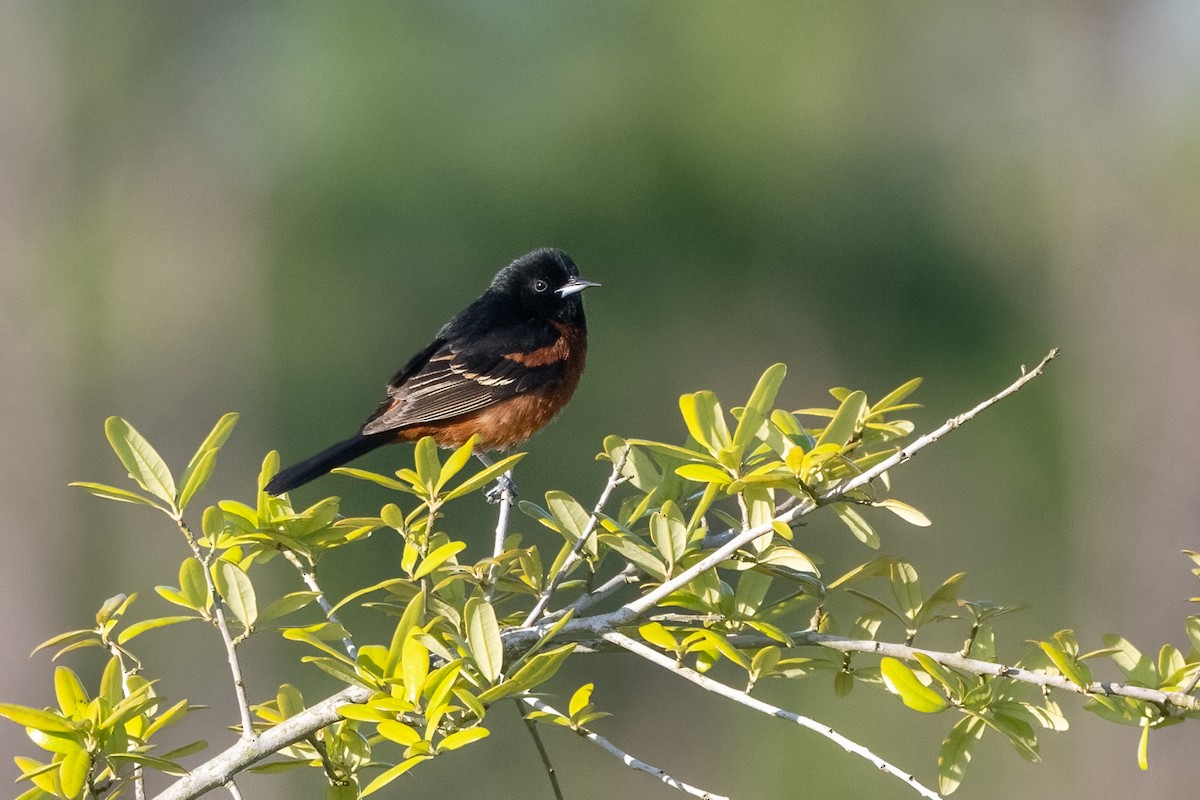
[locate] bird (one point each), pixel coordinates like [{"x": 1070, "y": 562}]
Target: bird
[{"x": 500, "y": 369}]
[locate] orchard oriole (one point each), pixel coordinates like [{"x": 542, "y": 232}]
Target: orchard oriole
[{"x": 502, "y": 368}]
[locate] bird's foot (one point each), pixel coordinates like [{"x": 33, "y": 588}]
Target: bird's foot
[{"x": 504, "y": 490}]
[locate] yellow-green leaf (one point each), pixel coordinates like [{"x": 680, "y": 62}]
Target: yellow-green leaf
[
  {"x": 581, "y": 699},
  {"x": 462, "y": 738},
  {"x": 902, "y": 681},
  {"x": 457, "y": 460},
  {"x": 759, "y": 405},
  {"x": 905, "y": 512},
  {"x": 142, "y": 461},
  {"x": 35, "y": 718},
  {"x": 415, "y": 666},
  {"x": 69, "y": 691},
  {"x": 120, "y": 495},
  {"x": 841, "y": 428},
  {"x": 393, "y": 773},
  {"x": 73, "y": 772},
  {"x": 438, "y": 557},
  {"x": 484, "y": 476},
  {"x": 234, "y": 585},
  {"x": 956, "y": 753},
  {"x": 704, "y": 473},
  {"x": 857, "y": 525},
  {"x": 483, "y": 635}
]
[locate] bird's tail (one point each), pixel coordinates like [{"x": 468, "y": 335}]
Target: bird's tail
[{"x": 322, "y": 462}]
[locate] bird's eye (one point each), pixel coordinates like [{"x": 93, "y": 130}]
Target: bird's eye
[{"x": 540, "y": 286}]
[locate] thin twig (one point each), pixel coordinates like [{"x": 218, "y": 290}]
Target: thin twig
[
  {"x": 547, "y": 764},
  {"x": 629, "y": 760},
  {"x": 849, "y": 745},
  {"x": 235, "y": 667},
  {"x": 552, "y": 586},
  {"x": 233, "y": 790},
  {"x": 974, "y": 666},
  {"x": 310, "y": 580},
  {"x": 505, "y": 485},
  {"x": 622, "y": 579}
]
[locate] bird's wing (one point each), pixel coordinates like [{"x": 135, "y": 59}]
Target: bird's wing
[{"x": 449, "y": 383}]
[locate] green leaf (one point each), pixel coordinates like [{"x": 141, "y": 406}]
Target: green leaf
[
  {"x": 160, "y": 764},
  {"x": 581, "y": 699},
  {"x": 636, "y": 554},
  {"x": 667, "y": 531},
  {"x": 120, "y": 495},
  {"x": 841, "y": 428},
  {"x": 759, "y": 405},
  {"x": 196, "y": 480},
  {"x": 393, "y": 773},
  {"x": 542, "y": 667},
  {"x": 893, "y": 398},
  {"x": 484, "y": 477},
  {"x": 1020, "y": 734},
  {"x": 656, "y": 634},
  {"x": 704, "y": 473},
  {"x": 705, "y": 421},
  {"x": 944, "y": 595},
  {"x": 168, "y": 717},
  {"x": 288, "y": 604},
  {"x": 413, "y": 617},
  {"x": 1074, "y": 670},
  {"x": 428, "y": 467},
  {"x": 462, "y": 738},
  {"x": 373, "y": 477},
  {"x": 483, "y": 635},
  {"x": 956, "y": 753},
  {"x": 138, "y": 628},
  {"x": 69, "y": 691},
  {"x": 1137, "y": 667},
  {"x": 905, "y": 512},
  {"x": 207, "y": 450},
  {"x": 572, "y": 518},
  {"x": 857, "y": 525},
  {"x": 28, "y": 717},
  {"x": 372, "y": 588},
  {"x": 1143, "y": 753},
  {"x": 902, "y": 681},
  {"x": 907, "y": 589},
  {"x": 192, "y": 585},
  {"x": 399, "y": 732},
  {"x": 234, "y": 585},
  {"x": 142, "y": 461},
  {"x": 414, "y": 666},
  {"x": 73, "y": 772},
  {"x": 457, "y": 460},
  {"x": 438, "y": 557}
]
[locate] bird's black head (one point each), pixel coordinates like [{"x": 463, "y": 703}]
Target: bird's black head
[{"x": 545, "y": 283}]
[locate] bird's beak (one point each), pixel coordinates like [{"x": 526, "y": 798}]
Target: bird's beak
[{"x": 574, "y": 286}]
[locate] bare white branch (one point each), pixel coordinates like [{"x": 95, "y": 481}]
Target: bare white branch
[
  {"x": 221, "y": 769},
  {"x": 628, "y": 760},
  {"x": 504, "y": 489},
  {"x": 849, "y": 745}
]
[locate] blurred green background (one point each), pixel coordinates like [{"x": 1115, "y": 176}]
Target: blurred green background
[{"x": 268, "y": 207}]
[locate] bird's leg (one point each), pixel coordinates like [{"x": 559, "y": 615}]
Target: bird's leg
[{"x": 504, "y": 484}]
